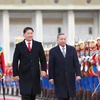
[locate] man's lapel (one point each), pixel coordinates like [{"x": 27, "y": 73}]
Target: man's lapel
[
  {"x": 59, "y": 51},
  {"x": 67, "y": 51},
  {"x": 33, "y": 46},
  {"x": 25, "y": 47}
]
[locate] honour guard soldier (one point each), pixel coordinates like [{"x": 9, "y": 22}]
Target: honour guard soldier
[
  {"x": 93, "y": 77},
  {"x": 0, "y": 81},
  {"x": 98, "y": 43},
  {"x": 51, "y": 90},
  {"x": 45, "y": 83},
  {"x": 2, "y": 65},
  {"x": 84, "y": 69},
  {"x": 78, "y": 86},
  {"x": 8, "y": 78},
  {"x": 2, "y": 61},
  {"x": 98, "y": 67}
]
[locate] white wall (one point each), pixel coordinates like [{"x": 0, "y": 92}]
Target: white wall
[
  {"x": 84, "y": 14},
  {"x": 21, "y": 14},
  {"x": 82, "y": 30},
  {"x": 50, "y": 31},
  {"x": 52, "y": 14}
]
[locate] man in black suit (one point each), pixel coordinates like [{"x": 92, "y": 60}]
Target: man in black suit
[
  {"x": 26, "y": 69},
  {"x": 63, "y": 67}
]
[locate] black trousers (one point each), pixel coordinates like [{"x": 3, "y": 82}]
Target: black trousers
[
  {"x": 66, "y": 98},
  {"x": 28, "y": 97},
  {"x": 63, "y": 99},
  {"x": 59, "y": 98}
]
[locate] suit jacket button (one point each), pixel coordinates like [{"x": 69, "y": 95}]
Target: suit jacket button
[{"x": 31, "y": 68}]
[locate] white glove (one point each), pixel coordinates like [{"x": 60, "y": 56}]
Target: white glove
[
  {"x": 86, "y": 68},
  {"x": 81, "y": 68},
  {"x": 91, "y": 61},
  {"x": 80, "y": 60},
  {"x": 83, "y": 58},
  {"x": 98, "y": 68},
  {"x": 78, "y": 78},
  {"x": 87, "y": 58},
  {"x": 51, "y": 81}
]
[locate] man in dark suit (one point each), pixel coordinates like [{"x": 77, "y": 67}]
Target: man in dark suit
[
  {"x": 26, "y": 69},
  {"x": 63, "y": 67}
]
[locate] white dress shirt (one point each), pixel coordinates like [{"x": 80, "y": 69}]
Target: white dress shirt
[{"x": 26, "y": 42}]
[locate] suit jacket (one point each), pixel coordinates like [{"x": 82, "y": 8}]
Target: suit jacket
[
  {"x": 63, "y": 70},
  {"x": 26, "y": 66}
]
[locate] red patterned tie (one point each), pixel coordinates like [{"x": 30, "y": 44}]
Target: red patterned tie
[{"x": 29, "y": 47}]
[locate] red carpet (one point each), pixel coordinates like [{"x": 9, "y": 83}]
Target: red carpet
[{"x": 10, "y": 98}]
